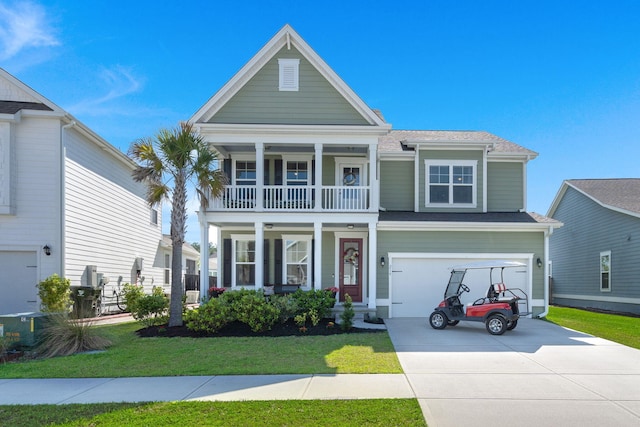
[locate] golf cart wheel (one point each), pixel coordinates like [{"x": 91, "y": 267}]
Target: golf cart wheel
[
  {"x": 438, "y": 320},
  {"x": 496, "y": 324},
  {"x": 512, "y": 325},
  {"x": 452, "y": 322}
]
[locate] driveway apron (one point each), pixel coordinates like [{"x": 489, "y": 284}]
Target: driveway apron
[{"x": 539, "y": 374}]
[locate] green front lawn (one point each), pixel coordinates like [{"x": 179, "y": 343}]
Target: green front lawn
[
  {"x": 131, "y": 356},
  {"x": 378, "y": 412},
  {"x": 621, "y": 329}
]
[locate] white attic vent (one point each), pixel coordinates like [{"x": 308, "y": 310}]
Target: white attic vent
[{"x": 289, "y": 71}]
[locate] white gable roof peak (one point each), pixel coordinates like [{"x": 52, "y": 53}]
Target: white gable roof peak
[{"x": 288, "y": 37}]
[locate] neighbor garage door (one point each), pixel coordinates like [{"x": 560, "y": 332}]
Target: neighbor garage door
[
  {"x": 418, "y": 283},
  {"x": 18, "y": 280}
]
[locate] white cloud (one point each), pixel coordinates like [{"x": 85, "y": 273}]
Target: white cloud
[
  {"x": 119, "y": 82},
  {"x": 24, "y": 25}
]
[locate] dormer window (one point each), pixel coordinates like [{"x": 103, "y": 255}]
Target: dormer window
[{"x": 289, "y": 72}]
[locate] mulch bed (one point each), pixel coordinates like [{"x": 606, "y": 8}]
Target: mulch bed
[{"x": 238, "y": 329}]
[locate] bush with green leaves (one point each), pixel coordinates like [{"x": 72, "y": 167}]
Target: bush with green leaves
[
  {"x": 55, "y": 294},
  {"x": 286, "y": 305},
  {"x": 321, "y": 301},
  {"x": 149, "y": 310},
  {"x": 251, "y": 308},
  {"x": 210, "y": 317},
  {"x": 348, "y": 313},
  {"x": 61, "y": 336}
]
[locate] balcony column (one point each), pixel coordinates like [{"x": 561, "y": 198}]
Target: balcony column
[
  {"x": 317, "y": 203},
  {"x": 259, "y": 255},
  {"x": 259, "y": 177},
  {"x": 317, "y": 255},
  {"x": 204, "y": 256},
  {"x": 373, "y": 178},
  {"x": 373, "y": 265}
]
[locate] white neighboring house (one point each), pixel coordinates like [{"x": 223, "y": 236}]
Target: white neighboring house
[{"x": 68, "y": 205}]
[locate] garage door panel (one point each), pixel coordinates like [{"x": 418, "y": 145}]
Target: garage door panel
[{"x": 418, "y": 284}]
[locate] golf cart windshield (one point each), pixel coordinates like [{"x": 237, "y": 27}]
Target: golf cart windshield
[{"x": 454, "y": 283}]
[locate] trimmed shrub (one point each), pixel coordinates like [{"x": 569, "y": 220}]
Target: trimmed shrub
[
  {"x": 132, "y": 293},
  {"x": 55, "y": 294},
  {"x": 252, "y": 309},
  {"x": 209, "y": 317},
  {"x": 322, "y": 301},
  {"x": 348, "y": 314},
  {"x": 286, "y": 305}
]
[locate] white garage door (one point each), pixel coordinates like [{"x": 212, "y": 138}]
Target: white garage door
[
  {"x": 418, "y": 284},
  {"x": 18, "y": 280}
]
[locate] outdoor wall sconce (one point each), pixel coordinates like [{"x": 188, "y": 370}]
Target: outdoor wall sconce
[
  {"x": 47, "y": 250},
  {"x": 382, "y": 261},
  {"x": 539, "y": 262},
  {"x": 350, "y": 226},
  {"x": 268, "y": 226}
]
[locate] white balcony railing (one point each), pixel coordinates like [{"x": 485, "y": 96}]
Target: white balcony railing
[{"x": 293, "y": 198}]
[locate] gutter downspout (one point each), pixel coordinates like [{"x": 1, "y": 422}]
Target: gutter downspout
[
  {"x": 547, "y": 234},
  {"x": 63, "y": 172}
]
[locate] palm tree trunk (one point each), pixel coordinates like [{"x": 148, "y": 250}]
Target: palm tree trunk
[{"x": 178, "y": 221}]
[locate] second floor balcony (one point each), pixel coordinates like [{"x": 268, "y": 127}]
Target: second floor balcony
[{"x": 293, "y": 198}]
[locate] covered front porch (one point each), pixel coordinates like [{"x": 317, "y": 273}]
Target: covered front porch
[{"x": 290, "y": 252}]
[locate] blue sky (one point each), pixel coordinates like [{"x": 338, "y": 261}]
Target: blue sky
[{"x": 561, "y": 78}]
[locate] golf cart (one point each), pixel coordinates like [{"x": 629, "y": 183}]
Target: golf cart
[{"x": 499, "y": 309}]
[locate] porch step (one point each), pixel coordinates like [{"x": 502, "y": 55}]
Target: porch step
[{"x": 361, "y": 311}]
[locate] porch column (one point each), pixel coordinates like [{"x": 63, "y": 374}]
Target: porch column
[
  {"x": 373, "y": 178},
  {"x": 204, "y": 256},
  {"x": 318, "y": 175},
  {"x": 317, "y": 262},
  {"x": 373, "y": 265},
  {"x": 259, "y": 177},
  {"x": 259, "y": 255}
]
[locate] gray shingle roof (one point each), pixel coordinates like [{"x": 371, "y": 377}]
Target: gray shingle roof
[
  {"x": 12, "y": 107},
  {"x": 392, "y": 142},
  {"x": 623, "y": 193},
  {"x": 490, "y": 217}
]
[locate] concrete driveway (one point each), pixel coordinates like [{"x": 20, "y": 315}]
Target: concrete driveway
[{"x": 539, "y": 374}]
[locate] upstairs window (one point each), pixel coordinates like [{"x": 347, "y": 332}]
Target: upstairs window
[
  {"x": 154, "y": 216},
  {"x": 450, "y": 183},
  {"x": 289, "y": 74},
  {"x": 297, "y": 173},
  {"x": 245, "y": 173},
  {"x": 605, "y": 271}
]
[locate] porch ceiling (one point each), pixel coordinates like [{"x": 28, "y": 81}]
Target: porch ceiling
[{"x": 235, "y": 147}]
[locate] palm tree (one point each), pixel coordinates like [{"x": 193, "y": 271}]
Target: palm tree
[{"x": 168, "y": 163}]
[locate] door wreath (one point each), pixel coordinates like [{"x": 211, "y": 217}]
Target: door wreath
[
  {"x": 349, "y": 178},
  {"x": 351, "y": 256}
]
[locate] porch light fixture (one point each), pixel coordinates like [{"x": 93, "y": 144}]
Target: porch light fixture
[
  {"x": 268, "y": 226},
  {"x": 382, "y": 261},
  {"x": 539, "y": 262},
  {"x": 350, "y": 226},
  {"x": 47, "y": 250}
]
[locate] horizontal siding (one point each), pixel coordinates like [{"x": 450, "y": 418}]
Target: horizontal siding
[
  {"x": 36, "y": 191},
  {"x": 397, "y": 186},
  {"x": 575, "y": 248},
  {"x": 107, "y": 218},
  {"x": 460, "y": 242},
  {"x": 450, "y": 155},
  {"x": 505, "y": 186},
  {"x": 316, "y": 101}
]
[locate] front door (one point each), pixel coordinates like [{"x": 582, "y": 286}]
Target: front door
[{"x": 351, "y": 268}]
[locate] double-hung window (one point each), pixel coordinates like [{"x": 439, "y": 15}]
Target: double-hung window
[
  {"x": 450, "y": 183},
  {"x": 245, "y": 173},
  {"x": 245, "y": 261},
  {"x": 297, "y": 256},
  {"x": 605, "y": 271}
]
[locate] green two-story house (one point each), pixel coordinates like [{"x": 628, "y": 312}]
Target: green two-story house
[{"x": 323, "y": 193}]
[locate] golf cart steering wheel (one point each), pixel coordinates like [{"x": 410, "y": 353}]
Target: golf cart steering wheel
[{"x": 464, "y": 288}]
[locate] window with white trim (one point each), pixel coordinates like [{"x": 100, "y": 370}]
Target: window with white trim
[
  {"x": 605, "y": 271},
  {"x": 245, "y": 173},
  {"x": 245, "y": 261},
  {"x": 167, "y": 269},
  {"x": 297, "y": 259},
  {"x": 154, "y": 216},
  {"x": 289, "y": 74},
  {"x": 450, "y": 183},
  {"x": 297, "y": 173}
]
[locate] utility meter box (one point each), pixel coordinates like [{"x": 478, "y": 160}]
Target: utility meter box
[{"x": 22, "y": 329}]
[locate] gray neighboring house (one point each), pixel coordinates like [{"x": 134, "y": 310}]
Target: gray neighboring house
[{"x": 596, "y": 255}]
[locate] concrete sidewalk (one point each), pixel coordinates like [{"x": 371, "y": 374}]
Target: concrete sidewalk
[{"x": 223, "y": 388}]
